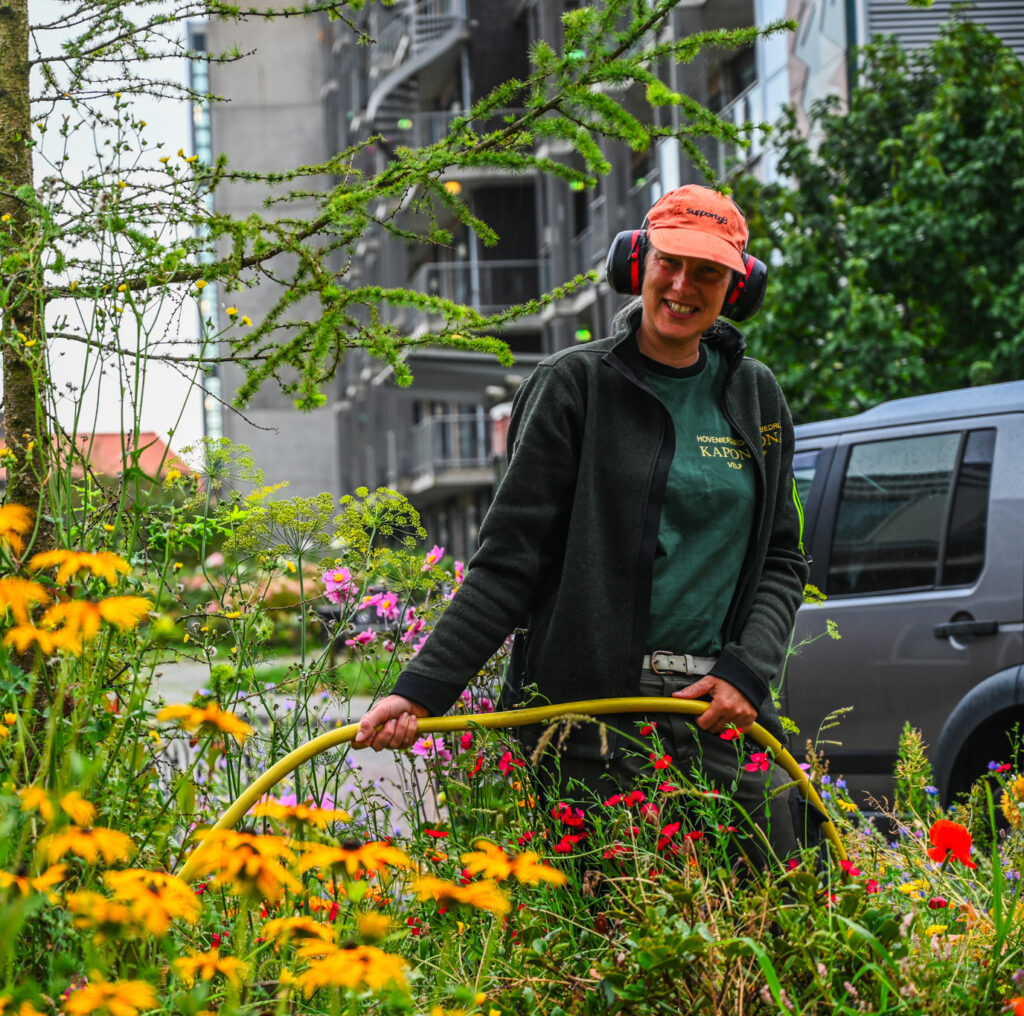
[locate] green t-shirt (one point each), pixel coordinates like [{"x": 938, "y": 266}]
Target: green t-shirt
[{"x": 708, "y": 514}]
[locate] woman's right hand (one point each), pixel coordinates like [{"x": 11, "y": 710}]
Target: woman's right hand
[{"x": 397, "y": 718}]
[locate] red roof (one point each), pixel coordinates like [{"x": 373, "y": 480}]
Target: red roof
[{"x": 108, "y": 453}]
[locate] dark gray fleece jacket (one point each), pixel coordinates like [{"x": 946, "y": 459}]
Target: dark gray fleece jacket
[{"x": 567, "y": 549}]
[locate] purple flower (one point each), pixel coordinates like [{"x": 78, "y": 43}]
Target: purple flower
[
  {"x": 841, "y": 784},
  {"x": 826, "y": 778},
  {"x": 931, "y": 790}
]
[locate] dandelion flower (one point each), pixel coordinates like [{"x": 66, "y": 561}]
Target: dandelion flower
[
  {"x": 209, "y": 720},
  {"x": 207, "y": 965},
  {"x": 15, "y": 523},
  {"x": 113, "y": 998}
]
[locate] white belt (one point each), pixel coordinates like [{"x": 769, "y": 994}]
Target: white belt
[{"x": 663, "y": 662}]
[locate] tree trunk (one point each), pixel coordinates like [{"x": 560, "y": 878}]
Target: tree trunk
[{"x": 21, "y": 319}]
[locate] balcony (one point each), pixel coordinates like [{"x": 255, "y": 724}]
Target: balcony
[
  {"x": 747, "y": 107},
  {"x": 451, "y": 454}
]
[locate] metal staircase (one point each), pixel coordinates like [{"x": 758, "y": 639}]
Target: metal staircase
[{"x": 418, "y": 34}]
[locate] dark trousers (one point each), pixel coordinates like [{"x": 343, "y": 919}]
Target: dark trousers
[{"x": 758, "y": 803}]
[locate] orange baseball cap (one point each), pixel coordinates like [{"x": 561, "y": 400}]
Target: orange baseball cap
[{"x": 695, "y": 221}]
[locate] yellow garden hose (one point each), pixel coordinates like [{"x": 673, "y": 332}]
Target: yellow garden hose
[{"x": 516, "y": 718}]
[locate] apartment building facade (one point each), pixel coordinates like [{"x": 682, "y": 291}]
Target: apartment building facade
[{"x": 311, "y": 89}]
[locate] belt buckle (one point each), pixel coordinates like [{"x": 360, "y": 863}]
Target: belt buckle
[{"x": 664, "y": 652}]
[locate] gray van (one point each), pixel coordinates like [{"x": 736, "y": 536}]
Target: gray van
[{"x": 915, "y": 529}]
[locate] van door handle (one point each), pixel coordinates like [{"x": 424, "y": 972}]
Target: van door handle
[{"x": 954, "y": 628}]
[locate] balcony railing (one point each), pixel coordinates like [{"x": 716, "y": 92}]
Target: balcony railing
[
  {"x": 747, "y": 107},
  {"x": 455, "y": 441},
  {"x": 486, "y": 286}
]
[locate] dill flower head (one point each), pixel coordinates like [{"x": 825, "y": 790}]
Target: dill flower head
[
  {"x": 355, "y": 967},
  {"x": 110, "y": 998},
  {"x": 355, "y": 858},
  {"x": 103, "y": 563},
  {"x": 209, "y": 720},
  {"x": 15, "y": 523},
  {"x": 1013, "y": 798},
  {"x": 90, "y": 844},
  {"x": 247, "y": 864},
  {"x": 19, "y": 596},
  {"x": 207, "y": 965}
]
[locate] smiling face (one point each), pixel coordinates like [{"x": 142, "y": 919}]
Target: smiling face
[{"x": 682, "y": 296}]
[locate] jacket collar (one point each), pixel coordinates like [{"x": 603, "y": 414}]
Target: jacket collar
[{"x": 625, "y": 357}]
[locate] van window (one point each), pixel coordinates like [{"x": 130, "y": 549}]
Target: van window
[
  {"x": 912, "y": 513},
  {"x": 805, "y": 465}
]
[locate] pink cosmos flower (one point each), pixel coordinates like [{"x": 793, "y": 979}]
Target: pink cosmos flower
[
  {"x": 369, "y": 600},
  {"x": 432, "y": 748},
  {"x": 413, "y": 630},
  {"x": 364, "y": 638},
  {"x": 435, "y": 555},
  {"x": 338, "y": 584},
  {"x": 387, "y": 606},
  {"x": 460, "y": 572}
]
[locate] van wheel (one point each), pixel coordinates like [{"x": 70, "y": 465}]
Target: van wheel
[{"x": 999, "y": 739}]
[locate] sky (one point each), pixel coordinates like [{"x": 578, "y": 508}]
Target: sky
[{"x": 99, "y": 397}]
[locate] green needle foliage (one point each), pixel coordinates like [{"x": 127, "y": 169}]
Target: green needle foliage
[{"x": 137, "y": 234}]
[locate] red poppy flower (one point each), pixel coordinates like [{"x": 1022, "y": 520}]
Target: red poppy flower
[
  {"x": 1015, "y": 1006},
  {"x": 937, "y": 903},
  {"x": 507, "y": 761},
  {"x": 648, "y": 728},
  {"x": 947, "y": 838},
  {"x": 613, "y": 800},
  {"x": 618, "y": 848},
  {"x": 660, "y": 763},
  {"x": 525, "y": 838},
  {"x": 466, "y": 740},
  {"x": 437, "y": 834},
  {"x": 792, "y": 864},
  {"x": 696, "y": 834},
  {"x": 849, "y": 868},
  {"x": 634, "y": 797},
  {"x": 649, "y": 811},
  {"x": 566, "y": 843},
  {"x": 572, "y": 817},
  {"x": 667, "y": 788},
  {"x": 759, "y": 762},
  {"x": 730, "y": 733},
  {"x": 872, "y": 886},
  {"x": 477, "y": 765}
]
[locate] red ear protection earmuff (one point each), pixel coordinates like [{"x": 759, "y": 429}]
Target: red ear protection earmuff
[{"x": 627, "y": 256}]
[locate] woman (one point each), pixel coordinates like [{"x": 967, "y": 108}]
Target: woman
[{"x": 646, "y": 536}]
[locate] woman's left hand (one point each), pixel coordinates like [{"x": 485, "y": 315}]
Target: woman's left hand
[{"x": 729, "y": 706}]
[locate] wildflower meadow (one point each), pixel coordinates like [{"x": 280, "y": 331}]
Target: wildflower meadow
[
  {"x": 463, "y": 888},
  {"x": 475, "y": 893}
]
